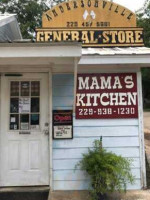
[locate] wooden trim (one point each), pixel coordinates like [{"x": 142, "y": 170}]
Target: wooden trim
[
  {"x": 115, "y": 59},
  {"x": 141, "y": 132},
  {"x": 50, "y": 131},
  {"x": 44, "y": 52},
  {"x": 75, "y": 81},
  {"x": 25, "y": 69},
  {"x": 114, "y": 45},
  {"x": 0, "y": 129},
  {"x": 86, "y": 28},
  {"x": 107, "y": 69}
]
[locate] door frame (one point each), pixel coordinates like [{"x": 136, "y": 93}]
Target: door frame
[{"x": 48, "y": 71}]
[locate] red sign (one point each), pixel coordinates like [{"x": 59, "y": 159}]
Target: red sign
[
  {"x": 101, "y": 96},
  {"x": 62, "y": 124}
]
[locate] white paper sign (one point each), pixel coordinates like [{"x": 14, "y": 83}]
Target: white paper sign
[
  {"x": 24, "y": 126},
  {"x": 63, "y": 132},
  {"x": 15, "y": 126},
  {"x": 24, "y": 105},
  {"x": 13, "y": 119}
]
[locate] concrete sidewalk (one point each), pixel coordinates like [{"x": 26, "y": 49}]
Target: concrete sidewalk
[{"x": 83, "y": 195}]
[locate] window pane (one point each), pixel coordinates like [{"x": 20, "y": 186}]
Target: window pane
[
  {"x": 14, "y": 122},
  {"x": 35, "y": 88},
  {"x": 14, "y": 88},
  {"x": 14, "y": 105},
  {"x": 35, "y": 105},
  {"x": 35, "y": 119},
  {"x": 24, "y": 121},
  {"x": 24, "y": 105},
  {"x": 25, "y": 88}
]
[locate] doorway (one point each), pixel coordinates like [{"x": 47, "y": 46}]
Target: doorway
[{"x": 24, "y": 138}]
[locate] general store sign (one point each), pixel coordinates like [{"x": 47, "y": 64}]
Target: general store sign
[
  {"x": 101, "y": 96},
  {"x": 95, "y": 23}
]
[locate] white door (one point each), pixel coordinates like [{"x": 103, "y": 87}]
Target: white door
[{"x": 24, "y": 159}]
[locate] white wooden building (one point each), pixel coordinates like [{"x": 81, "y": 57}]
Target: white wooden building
[{"x": 37, "y": 78}]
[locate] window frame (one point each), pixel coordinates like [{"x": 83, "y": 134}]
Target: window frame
[{"x": 19, "y": 114}]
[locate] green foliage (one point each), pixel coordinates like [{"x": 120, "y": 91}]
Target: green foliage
[
  {"x": 29, "y": 13},
  {"x": 146, "y": 88},
  {"x": 108, "y": 171},
  {"x": 143, "y": 20}
]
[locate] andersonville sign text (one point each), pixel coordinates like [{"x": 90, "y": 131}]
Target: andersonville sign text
[{"x": 95, "y": 23}]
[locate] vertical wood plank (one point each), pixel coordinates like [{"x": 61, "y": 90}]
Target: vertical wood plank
[
  {"x": 75, "y": 81},
  {"x": 50, "y": 130},
  {"x": 141, "y": 129}
]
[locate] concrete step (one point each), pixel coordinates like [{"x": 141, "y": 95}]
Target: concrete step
[{"x": 24, "y": 193}]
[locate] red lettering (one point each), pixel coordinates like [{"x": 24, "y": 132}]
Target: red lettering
[{"x": 62, "y": 118}]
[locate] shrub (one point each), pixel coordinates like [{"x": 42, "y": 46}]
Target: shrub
[{"x": 108, "y": 171}]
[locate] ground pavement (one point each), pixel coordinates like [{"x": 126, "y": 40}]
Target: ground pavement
[{"x": 83, "y": 195}]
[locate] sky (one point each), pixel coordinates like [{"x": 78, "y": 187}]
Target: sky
[{"x": 131, "y": 4}]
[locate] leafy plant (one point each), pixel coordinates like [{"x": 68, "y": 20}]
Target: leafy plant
[{"x": 108, "y": 171}]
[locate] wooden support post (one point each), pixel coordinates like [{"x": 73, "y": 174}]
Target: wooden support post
[{"x": 75, "y": 81}]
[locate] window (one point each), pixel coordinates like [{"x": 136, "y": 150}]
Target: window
[{"x": 24, "y": 105}]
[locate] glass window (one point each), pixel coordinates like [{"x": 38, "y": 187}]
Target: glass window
[
  {"x": 25, "y": 88},
  {"x": 24, "y": 105},
  {"x": 35, "y": 119},
  {"x": 35, "y": 105},
  {"x": 14, "y": 91},
  {"x": 14, "y": 122},
  {"x": 35, "y": 88},
  {"x": 14, "y": 105},
  {"x": 24, "y": 121}
]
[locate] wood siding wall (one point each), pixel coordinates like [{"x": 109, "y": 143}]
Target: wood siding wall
[{"x": 120, "y": 136}]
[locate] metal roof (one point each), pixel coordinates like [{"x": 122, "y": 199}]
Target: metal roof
[
  {"x": 116, "y": 51},
  {"x": 139, "y": 56},
  {"x": 9, "y": 28},
  {"x": 6, "y": 18}
]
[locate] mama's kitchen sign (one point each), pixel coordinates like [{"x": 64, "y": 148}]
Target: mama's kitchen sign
[
  {"x": 95, "y": 23},
  {"x": 102, "y": 96}
]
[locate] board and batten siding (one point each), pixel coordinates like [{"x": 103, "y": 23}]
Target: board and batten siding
[{"x": 120, "y": 136}]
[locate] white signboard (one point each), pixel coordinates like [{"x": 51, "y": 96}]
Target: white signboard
[
  {"x": 24, "y": 126},
  {"x": 24, "y": 105},
  {"x": 62, "y": 132}
]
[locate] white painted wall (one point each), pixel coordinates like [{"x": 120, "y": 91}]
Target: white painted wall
[{"x": 120, "y": 136}]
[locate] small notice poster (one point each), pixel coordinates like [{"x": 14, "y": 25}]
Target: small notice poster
[
  {"x": 24, "y": 126},
  {"x": 62, "y": 124},
  {"x": 24, "y": 105}
]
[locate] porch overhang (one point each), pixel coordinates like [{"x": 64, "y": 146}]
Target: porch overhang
[
  {"x": 61, "y": 56},
  {"x": 38, "y": 53}
]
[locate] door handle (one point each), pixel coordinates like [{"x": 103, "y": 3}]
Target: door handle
[
  {"x": 46, "y": 132},
  {"x": 46, "y": 129}
]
